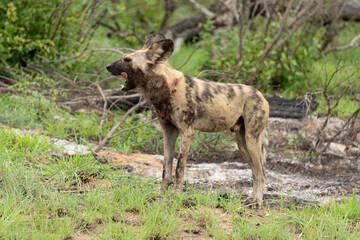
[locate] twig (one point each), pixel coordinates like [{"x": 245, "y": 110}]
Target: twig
[
  {"x": 112, "y": 131},
  {"x": 348, "y": 46},
  {"x": 328, "y": 103},
  {"x": 8, "y": 80},
  {"x": 302, "y": 17},
  {"x": 131, "y": 128},
  {"x": 355, "y": 113},
  {"x": 108, "y": 49},
  {"x": 95, "y": 99},
  {"x": 63, "y": 15},
  {"x": 312, "y": 215},
  {"x": 4, "y": 85},
  {"x": 104, "y": 113},
  {"x": 186, "y": 61},
  {"x": 96, "y": 4},
  {"x": 282, "y": 29},
  {"x": 202, "y": 9},
  {"x": 169, "y": 8}
]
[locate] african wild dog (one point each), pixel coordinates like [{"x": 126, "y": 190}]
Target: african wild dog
[{"x": 184, "y": 104}]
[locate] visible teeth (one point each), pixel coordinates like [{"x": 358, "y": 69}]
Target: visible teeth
[{"x": 122, "y": 86}]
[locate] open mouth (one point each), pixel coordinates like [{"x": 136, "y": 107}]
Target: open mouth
[{"x": 125, "y": 76}]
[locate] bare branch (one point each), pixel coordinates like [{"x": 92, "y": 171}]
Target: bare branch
[
  {"x": 104, "y": 113},
  {"x": 348, "y": 46},
  {"x": 186, "y": 61},
  {"x": 355, "y": 114},
  {"x": 118, "y": 50},
  {"x": 7, "y": 79},
  {"x": 95, "y": 5},
  {"x": 93, "y": 100},
  {"x": 170, "y": 7},
  {"x": 131, "y": 128},
  {"x": 62, "y": 16},
  {"x": 202, "y": 9},
  {"x": 4, "y": 85},
  {"x": 112, "y": 131}
]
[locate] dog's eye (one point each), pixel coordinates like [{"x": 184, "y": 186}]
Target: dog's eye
[{"x": 127, "y": 59}]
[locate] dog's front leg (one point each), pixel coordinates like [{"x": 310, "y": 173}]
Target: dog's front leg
[
  {"x": 170, "y": 135},
  {"x": 185, "y": 141}
]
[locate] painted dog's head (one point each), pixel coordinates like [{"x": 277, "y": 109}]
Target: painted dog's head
[{"x": 134, "y": 67}]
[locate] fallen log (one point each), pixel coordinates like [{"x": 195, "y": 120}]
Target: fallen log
[{"x": 291, "y": 108}]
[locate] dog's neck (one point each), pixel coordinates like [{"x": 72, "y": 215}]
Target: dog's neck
[
  {"x": 158, "y": 88},
  {"x": 158, "y": 83}
]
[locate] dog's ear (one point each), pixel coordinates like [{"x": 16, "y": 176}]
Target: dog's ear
[
  {"x": 157, "y": 37},
  {"x": 160, "y": 51}
]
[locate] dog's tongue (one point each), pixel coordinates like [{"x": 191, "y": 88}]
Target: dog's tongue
[{"x": 124, "y": 75}]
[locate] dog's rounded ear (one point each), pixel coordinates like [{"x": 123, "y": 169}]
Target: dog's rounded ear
[
  {"x": 154, "y": 38},
  {"x": 160, "y": 51}
]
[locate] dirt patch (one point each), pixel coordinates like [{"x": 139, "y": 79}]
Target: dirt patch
[
  {"x": 145, "y": 164},
  {"x": 290, "y": 173}
]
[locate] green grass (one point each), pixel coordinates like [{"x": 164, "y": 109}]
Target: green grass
[
  {"x": 76, "y": 196},
  {"x": 14, "y": 111}
]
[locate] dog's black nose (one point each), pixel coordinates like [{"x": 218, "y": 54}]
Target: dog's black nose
[{"x": 108, "y": 67}]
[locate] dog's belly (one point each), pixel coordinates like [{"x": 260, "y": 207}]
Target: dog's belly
[
  {"x": 218, "y": 116},
  {"x": 214, "y": 124}
]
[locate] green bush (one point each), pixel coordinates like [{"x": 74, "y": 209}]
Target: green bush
[
  {"x": 25, "y": 30},
  {"x": 39, "y": 28},
  {"x": 284, "y": 68}
]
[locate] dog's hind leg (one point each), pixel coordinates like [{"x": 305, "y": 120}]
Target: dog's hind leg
[
  {"x": 185, "y": 141},
  {"x": 239, "y": 130},
  {"x": 254, "y": 146},
  {"x": 170, "y": 135},
  {"x": 251, "y": 151},
  {"x": 241, "y": 143}
]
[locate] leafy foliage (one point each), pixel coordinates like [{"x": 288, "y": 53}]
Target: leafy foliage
[
  {"x": 25, "y": 30},
  {"x": 45, "y": 29},
  {"x": 284, "y": 69}
]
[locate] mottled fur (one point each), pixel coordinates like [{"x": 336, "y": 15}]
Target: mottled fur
[{"x": 184, "y": 104}]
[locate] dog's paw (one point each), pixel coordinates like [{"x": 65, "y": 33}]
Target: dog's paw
[{"x": 253, "y": 203}]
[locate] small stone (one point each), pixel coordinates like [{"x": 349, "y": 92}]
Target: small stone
[
  {"x": 353, "y": 151},
  {"x": 318, "y": 167},
  {"x": 337, "y": 148},
  {"x": 358, "y": 137}
]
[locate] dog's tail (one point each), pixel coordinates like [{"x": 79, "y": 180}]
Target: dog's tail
[{"x": 265, "y": 143}]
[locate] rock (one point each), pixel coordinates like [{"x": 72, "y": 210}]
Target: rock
[
  {"x": 337, "y": 148},
  {"x": 71, "y": 148},
  {"x": 318, "y": 167},
  {"x": 353, "y": 151},
  {"x": 358, "y": 137}
]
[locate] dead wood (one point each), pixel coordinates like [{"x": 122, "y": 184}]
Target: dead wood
[
  {"x": 291, "y": 108},
  {"x": 170, "y": 7},
  {"x": 346, "y": 11},
  {"x": 112, "y": 131},
  {"x": 6, "y": 81},
  {"x": 111, "y": 96}
]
